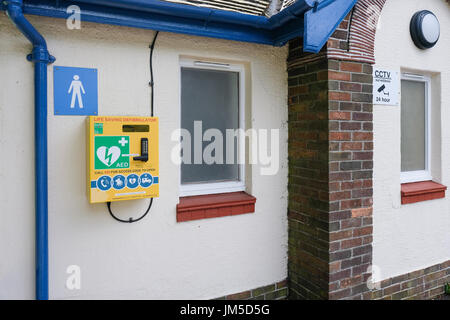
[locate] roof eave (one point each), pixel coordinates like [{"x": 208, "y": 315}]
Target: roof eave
[{"x": 200, "y": 21}]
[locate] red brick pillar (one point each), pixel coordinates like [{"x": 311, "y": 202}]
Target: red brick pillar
[
  {"x": 309, "y": 206},
  {"x": 350, "y": 177},
  {"x": 330, "y": 175}
]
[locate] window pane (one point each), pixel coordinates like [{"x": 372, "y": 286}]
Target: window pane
[
  {"x": 212, "y": 97},
  {"x": 413, "y": 117}
]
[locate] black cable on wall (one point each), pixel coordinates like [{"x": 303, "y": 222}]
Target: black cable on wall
[{"x": 152, "y": 85}]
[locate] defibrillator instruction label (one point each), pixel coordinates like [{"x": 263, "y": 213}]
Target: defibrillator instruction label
[{"x": 116, "y": 168}]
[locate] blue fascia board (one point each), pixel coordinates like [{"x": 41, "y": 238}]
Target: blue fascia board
[
  {"x": 153, "y": 21},
  {"x": 183, "y": 10},
  {"x": 314, "y": 20},
  {"x": 321, "y": 22},
  {"x": 289, "y": 30}
]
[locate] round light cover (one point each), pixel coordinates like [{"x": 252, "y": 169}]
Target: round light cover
[{"x": 425, "y": 29}]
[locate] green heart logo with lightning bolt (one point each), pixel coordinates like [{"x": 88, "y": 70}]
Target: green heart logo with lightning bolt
[
  {"x": 108, "y": 155},
  {"x": 112, "y": 152}
]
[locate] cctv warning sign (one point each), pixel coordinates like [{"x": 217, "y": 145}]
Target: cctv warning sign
[{"x": 386, "y": 87}]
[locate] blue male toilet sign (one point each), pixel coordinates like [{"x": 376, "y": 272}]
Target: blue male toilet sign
[{"x": 75, "y": 91}]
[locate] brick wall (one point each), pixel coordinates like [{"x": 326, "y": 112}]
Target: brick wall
[
  {"x": 422, "y": 284},
  {"x": 330, "y": 170},
  {"x": 355, "y": 37},
  {"x": 275, "y": 291},
  {"x": 308, "y": 180},
  {"x": 428, "y": 283},
  {"x": 339, "y": 40},
  {"x": 350, "y": 176},
  {"x": 330, "y": 175}
]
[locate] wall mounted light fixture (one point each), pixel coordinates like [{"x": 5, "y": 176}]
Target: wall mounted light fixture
[{"x": 425, "y": 29}]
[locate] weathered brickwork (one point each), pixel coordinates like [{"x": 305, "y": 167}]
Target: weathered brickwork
[
  {"x": 428, "y": 283},
  {"x": 422, "y": 284},
  {"x": 330, "y": 176},
  {"x": 308, "y": 177},
  {"x": 276, "y": 291},
  {"x": 330, "y": 170},
  {"x": 350, "y": 176},
  {"x": 339, "y": 40},
  {"x": 354, "y": 39}
]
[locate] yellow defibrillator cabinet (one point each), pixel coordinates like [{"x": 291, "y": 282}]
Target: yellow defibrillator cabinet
[{"x": 123, "y": 159}]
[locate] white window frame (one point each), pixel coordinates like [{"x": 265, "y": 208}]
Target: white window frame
[
  {"x": 194, "y": 189},
  {"x": 421, "y": 175}
]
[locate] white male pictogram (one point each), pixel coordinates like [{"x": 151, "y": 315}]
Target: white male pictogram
[{"x": 76, "y": 87}]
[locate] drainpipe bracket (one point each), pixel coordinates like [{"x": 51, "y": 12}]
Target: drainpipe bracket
[{"x": 40, "y": 55}]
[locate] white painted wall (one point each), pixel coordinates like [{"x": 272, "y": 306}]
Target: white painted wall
[
  {"x": 414, "y": 236},
  {"x": 156, "y": 258}
]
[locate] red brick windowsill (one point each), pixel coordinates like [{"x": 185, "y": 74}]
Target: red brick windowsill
[
  {"x": 214, "y": 206},
  {"x": 422, "y": 191}
]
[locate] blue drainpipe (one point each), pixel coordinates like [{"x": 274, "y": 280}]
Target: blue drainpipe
[{"x": 41, "y": 58}]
